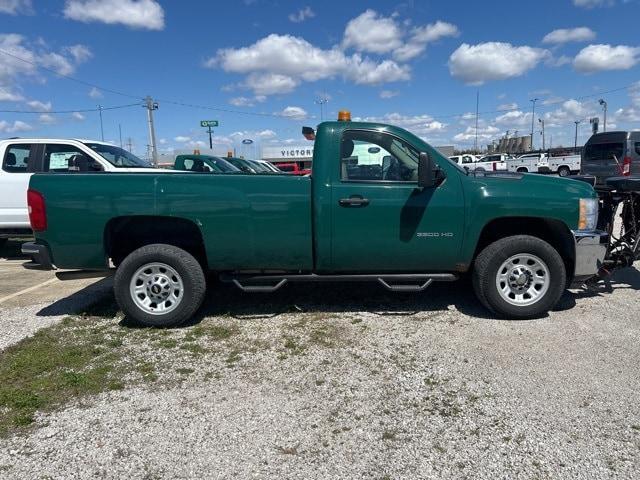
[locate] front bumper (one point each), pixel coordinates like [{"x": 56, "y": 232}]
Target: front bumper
[
  {"x": 40, "y": 258},
  {"x": 591, "y": 248}
]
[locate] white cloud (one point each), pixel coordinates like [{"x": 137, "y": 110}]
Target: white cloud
[
  {"x": 508, "y": 106},
  {"x": 370, "y": 32},
  {"x": 145, "y": 14},
  {"x": 9, "y": 96},
  {"x": 95, "y": 93},
  {"x": 515, "y": 118},
  {"x": 77, "y": 116},
  {"x": 552, "y": 61},
  {"x": 16, "y": 126},
  {"x": 421, "y": 36},
  {"x": 81, "y": 53},
  {"x": 182, "y": 139},
  {"x": 294, "y": 113},
  {"x": 593, "y": 3},
  {"x": 47, "y": 119},
  {"x": 39, "y": 106},
  {"x": 279, "y": 63},
  {"x": 484, "y": 133},
  {"x": 265, "y": 134},
  {"x": 247, "y": 101},
  {"x": 418, "y": 124},
  {"x": 569, "y": 111},
  {"x": 564, "y": 35},
  {"x": 24, "y": 59},
  {"x": 388, "y": 93},
  {"x": 15, "y": 7},
  {"x": 301, "y": 15},
  {"x": 477, "y": 64},
  {"x": 596, "y": 58}
]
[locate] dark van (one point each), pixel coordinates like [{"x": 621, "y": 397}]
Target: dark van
[{"x": 610, "y": 154}]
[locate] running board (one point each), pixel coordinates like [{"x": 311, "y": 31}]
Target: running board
[
  {"x": 392, "y": 282},
  {"x": 82, "y": 274}
]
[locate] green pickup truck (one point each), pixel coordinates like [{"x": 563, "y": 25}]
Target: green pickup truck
[{"x": 381, "y": 205}]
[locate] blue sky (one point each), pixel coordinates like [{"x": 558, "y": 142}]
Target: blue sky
[{"x": 264, "y": 63}]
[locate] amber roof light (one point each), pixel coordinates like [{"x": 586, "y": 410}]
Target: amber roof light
[{"x": 344, "y": 116}]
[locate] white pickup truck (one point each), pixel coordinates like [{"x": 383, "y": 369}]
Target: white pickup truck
[
  {"x": 543, "y": 163},
  {"x": 22, "y": 157}
]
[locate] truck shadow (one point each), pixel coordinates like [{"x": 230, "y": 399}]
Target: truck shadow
[
  {"x": 623, "y": 279},
  {"x": 11, "y": 250}
]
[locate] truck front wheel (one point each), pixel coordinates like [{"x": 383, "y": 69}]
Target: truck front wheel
[
  {"x": 159, "y": 285},
  {"x": 519, "y": 277}
]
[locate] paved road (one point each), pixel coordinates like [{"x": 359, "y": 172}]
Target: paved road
[{"x": 32, "y": 299}]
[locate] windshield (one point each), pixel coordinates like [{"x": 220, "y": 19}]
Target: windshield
[
  {"x": 117, "y": 156},
  {"x": 224, "y": 166}
]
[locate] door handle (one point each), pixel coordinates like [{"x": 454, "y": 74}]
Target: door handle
[{"x": 353, "y": 202}]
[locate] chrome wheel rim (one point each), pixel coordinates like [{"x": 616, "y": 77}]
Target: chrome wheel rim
[
  {"x": 523, "y": 279},
  {"x": 156, "y": 288}
]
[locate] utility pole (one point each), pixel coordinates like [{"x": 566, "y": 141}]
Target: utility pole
[
  {"x": 130, "y": 145},
  {"x": 533, "y": 116},
  {"x": 475, "y": 144},
  {"x": 210, "y": 137},
  {"x": 575, "y": 141},
  {"x": 542, "y": 123},
  {"x": 120, "y": 132},
  {"x": 150, "y": 105},
  {"x": 604, "y": 107},
  {"x": 101, "y": 128},
  {"x": 322, "y": 101}
]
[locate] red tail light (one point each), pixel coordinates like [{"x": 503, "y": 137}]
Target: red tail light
[
  {"x": 37, "y": 211},
  {"x": 626, "y": 166}
]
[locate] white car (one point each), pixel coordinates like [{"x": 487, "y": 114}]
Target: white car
[{"x": 22, "y": 157}]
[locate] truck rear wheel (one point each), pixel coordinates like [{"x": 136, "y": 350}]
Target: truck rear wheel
[
  {"x": 564, "y": 171},
  {"x": 519, "y": 277},
  {"x": 159, "y": 285}
]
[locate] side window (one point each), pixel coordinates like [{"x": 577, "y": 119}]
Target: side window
[
  {"x": 467, "y": 159},
  {"x": 377, "y": 157},
  {"x": 16, "y": 158},
  {"x": 65, "y": 158}
]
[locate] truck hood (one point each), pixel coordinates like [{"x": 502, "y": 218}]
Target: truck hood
[{"x": 537, "y": 186}]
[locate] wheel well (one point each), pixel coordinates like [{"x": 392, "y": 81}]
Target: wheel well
[
  {"x": 554, "y": 232},
  {"x": 123, "y": 235},
  {"x": 523, "y": 169}
]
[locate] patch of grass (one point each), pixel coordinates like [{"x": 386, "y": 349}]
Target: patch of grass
[
  {"x": 293, "y": 346},
  {"x": 233, "y": 358},
  {"x": 54, "y": 365},
  {"x": 148, "y": 371},
  {"x": 635, "y": 427},
  {"x": 213, "y": 332},
  {"x": 185, "y": 371},
  {"x": 168, "y": 343},
  {"x": 193, "y": 348}
]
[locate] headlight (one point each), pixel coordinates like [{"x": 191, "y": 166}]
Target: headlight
[{"x": 588, "y": 214}]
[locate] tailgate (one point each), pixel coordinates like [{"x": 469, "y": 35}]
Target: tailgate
[{"x": 599, "y": 159}]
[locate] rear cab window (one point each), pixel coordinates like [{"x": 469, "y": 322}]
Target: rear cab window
[
  {"x": 603, "y": 151},
  {"x": 16, "y": 158}
]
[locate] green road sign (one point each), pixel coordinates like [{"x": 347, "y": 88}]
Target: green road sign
[{"x": 208, "y": 123}]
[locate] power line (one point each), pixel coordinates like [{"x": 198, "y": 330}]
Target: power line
[{"x": 77, "y": 110}]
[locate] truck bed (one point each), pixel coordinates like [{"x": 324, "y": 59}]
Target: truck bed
[{"x": 246, "y": 221}]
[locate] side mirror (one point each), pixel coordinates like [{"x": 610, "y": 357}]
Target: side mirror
[
  {"x": 426, "y": 175},
  {"x": 429, "y": 175}
]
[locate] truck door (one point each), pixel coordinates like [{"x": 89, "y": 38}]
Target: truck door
[
  {"x": 381, "y": 220},
  {"x": 14, "y": 182}
]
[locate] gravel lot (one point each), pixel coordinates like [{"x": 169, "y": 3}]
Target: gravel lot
[{"x": 368, "y": 385}]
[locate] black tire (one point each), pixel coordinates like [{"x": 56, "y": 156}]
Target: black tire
[
  {"x": 522, "y": 170},
  {"x": 564, "y": 171},
  {"x": 185, "y": 265},
  {"x": 492, "y": 258}
]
